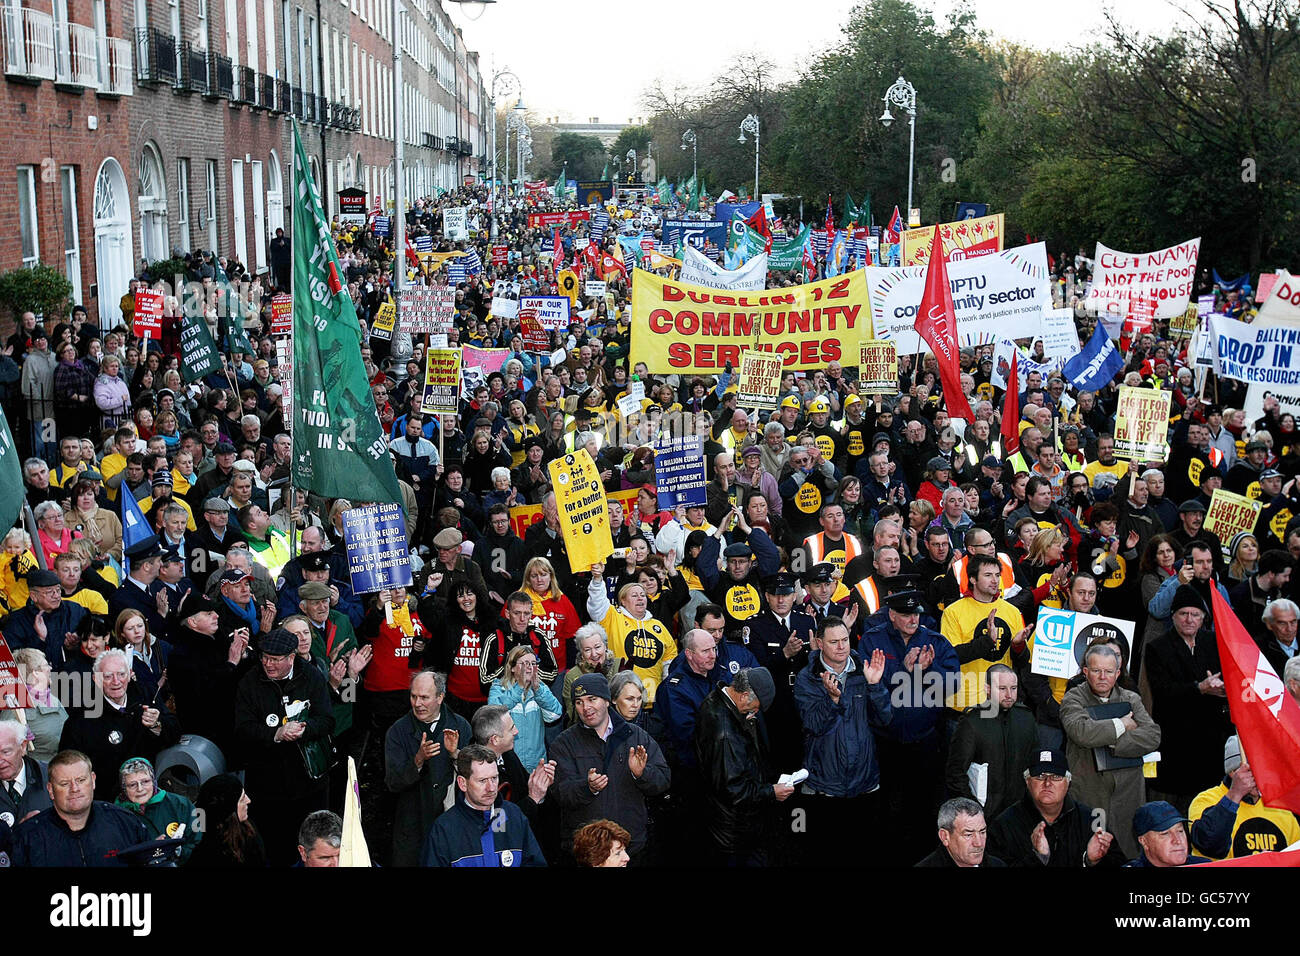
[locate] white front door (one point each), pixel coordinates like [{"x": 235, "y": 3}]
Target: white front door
[
  {"x": 259, "y": 219},
  {"x": 237, "y": 199},
  {"x": 114, "y": 256}
]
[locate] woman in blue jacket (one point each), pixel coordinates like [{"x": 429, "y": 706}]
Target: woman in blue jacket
[{"x": 531, "y": 703}]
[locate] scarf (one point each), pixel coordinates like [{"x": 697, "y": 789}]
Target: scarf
[
  {"x": 247, "y": 615},
  {"x": 399, "y": 616}
]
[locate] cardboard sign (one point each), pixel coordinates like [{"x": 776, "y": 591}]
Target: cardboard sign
[
  {"x": 628, "y": 406},
  {"x": 385, "y": 322},
  {"x": 552, "y": 311},
  {"x": 1229, "y": 515},
  {"x": 594, "y": 288},
  {"x": 536, "y": 337},
  {"x": 1061, "y": 637},
  {"x": 1204, "y": 305},
  {"x": 1141, "y": 423},
  {"x": 441, "y": 382},
  {"x": 1060, "y": 337},
  {"x": 583, "y": 510},
  {"x": 148, "y": 314},
  {"x": 428, "y": 309},
  {"x": 878, "y": 368},
  {"x": 375, "y": 539},
  {"x": 679, "y": 471},
  {"x": 760, "y": 381}
]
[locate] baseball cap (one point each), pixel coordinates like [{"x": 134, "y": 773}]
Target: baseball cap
[
  {"x": 761, "y": 683},
  {"x": 1049, "y": 761},
  {"x": 1158, "y": 815}
]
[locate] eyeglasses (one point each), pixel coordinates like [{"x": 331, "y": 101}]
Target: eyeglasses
[{"x": 1048, "y": 777}]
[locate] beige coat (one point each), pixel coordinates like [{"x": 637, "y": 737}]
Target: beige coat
[
  {"x": 1118, "y": 792},
  {"x": 101, "y": 526}
]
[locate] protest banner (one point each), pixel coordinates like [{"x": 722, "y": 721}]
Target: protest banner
[
  {"x": 455, "y": 223},
  {"x": 682, "y": 328},
  {"x": 199, "y": 355},
  {"x": 284, "y": 360},
  {"x": 536, "y": 337},
  {"x": 381, "y": 226},
  {"x": 759, "y": 385},
  {"x": 549, "y": 220},
  {"x": 595, "y": 193},
  {"x": 375, "y": 539},
  {"x": 701, "y": 234},
  {"x": 583, "y": 510},
  {"x": 505, "y": 299},
  {"x": 1204, "y": 306},
  {"x": 13, "y": 687},
  {"x": 994, "y": 296},
  {"x": 964, "y": 239},
  {"x": 428, "y": 309},
  {"x": 594, "y": 288},
  {"x": 785, "y": 254},
  {"x": 477, "y": 364},
  {"x": 1257, "y": 356},
  {"x": 385, "y": 322},
  {"x": 442, "y": 371},
  {"x": 1166, "y": 274},
  {"x": 522, "y": 517},
  {"x": 1061, "y": 637},
  {"x": 1230, "y": 514},
  {"x": 1060, "y": 337},
  {"x": 1280, "y": 310},
  {"x": 679, "y": 471},
  {"x": 553, "y": 311},
  {"x": 148, "y": 314},
  {"x": 698, "y": 269},
  {"x": 500, "y": 256},
  {"x": 878, "y": 368},
  {"x": 1141, "y": 423},
  {"x": 281, "y": 313}
]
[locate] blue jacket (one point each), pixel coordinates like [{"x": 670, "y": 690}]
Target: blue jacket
[
  {"x": 531, "y": 711},
  {"x": 20, "y": 630},
  {"x": 464, "y": 836},
  {"x": 839, "y": 746},
  {"x": 677, "y": 703},
  {"x": 1161, "y": 604},
  {"x": 349, "y": 604},
  {"x": 919, "y": 698},
  {"x": 45, "y": 839}
]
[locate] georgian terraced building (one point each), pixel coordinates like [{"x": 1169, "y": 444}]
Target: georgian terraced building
[{"x": 136, "y": 129}]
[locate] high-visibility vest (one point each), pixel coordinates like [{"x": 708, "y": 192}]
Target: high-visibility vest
[
  {"x": 963, "y": 580},
  {"x": 870, "y": 594},
  {"x": 815, "y": 545}
]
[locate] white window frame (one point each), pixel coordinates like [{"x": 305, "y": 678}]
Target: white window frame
[
  {"x": 183, "y": 202},
  {"x": 212, "y": 204},
  {"x": 71, "y": 229},
  {"x": 29, "y": 225}
]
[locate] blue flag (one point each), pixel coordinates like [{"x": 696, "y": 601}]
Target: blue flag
[
  {"x": 1096, "y": 365},
  {"x": 134, "y": 526}
]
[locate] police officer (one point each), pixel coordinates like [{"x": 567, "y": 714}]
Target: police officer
[{"x": 780, "y": 637}]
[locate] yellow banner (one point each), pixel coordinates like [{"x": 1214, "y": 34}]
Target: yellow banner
[
  {"x": 1141, "y": 423},
  {"x": 679, "y": 328},
  {"x": 567, "y": 284},
  {"x": 657, "y": 260},
  {"x": 584, "y": 511},
  {"x": 1229, "y": 515},
  {"x": 964, "y": 239},
  {"x": 436, "y": 259}
]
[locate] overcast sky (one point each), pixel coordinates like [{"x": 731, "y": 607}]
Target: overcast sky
[{"x": 569, "y": 55}]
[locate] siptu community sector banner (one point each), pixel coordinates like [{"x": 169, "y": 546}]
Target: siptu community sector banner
[
  {"x": 1122, "y": 278},
  {"x": 964, "y": 239},
  {"x": 1141, "y": 423},
  {"x": 583, "y": 510},
  {"x": 996, "y": 296},
  {"x": 683, "y": 328}
]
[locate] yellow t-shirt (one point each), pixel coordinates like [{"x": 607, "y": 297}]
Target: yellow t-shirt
[
  {"x": 92, "y": 601},
  {"x": 962, "y": 622},
  {"x": 1094, "y": 468},
  {"x": 1257, "y": 828},
  {"x": 646, "y": 645},
  {"x": 109, "y": 467}
]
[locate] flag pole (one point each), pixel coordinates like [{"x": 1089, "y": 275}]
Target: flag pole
[{"x": 293, "y": 319}]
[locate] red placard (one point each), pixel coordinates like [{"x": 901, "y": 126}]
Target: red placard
[
  {"x": 500, "y": 255},
  {"x": 13, "y": 690},
  {"x": 536, "y": 338},
  {"x": 148, "y": 314},
  {"x": 281, "y": 313}
]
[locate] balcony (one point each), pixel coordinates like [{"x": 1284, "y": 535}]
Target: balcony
[
  {"x": 430, "y": 141},
  {"x": 29, "y": 44},
  {"x": 115, "y": 67},
  {"x": 194, "y": 70},
  {"x": 266, "y": 91},
  {"x": 283, "y": 96},
  {"x": 245, "y": 86},
  {"x": 295, "y": 103},
  {"x": 221, "y": 76},
  {"x": 77, "y": 57},
  {"x": 451, "y": 144},
  {"x": 156, "y": 59},
  {"x": 465, "y": 148}
]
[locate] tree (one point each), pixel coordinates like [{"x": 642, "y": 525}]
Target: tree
[{"x": 584, "y": 156}]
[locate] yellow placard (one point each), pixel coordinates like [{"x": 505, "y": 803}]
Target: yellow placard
[
  {"x": 385, "y": 320},
  {"x": 760, "y": 381},
  {"x": 678, "y": 327},
  {"x": 567, "y": 283},
  {"x": 1229, "y": 515},
  {"x": 1183, "y": 326},
  {"x": 963, "y": 239},
  {"x": 583, "y": 509},
  {"x": 1141, "y": 423},
  {"x": 441, "y": 382},
  {"x": 878, "y": 367}
]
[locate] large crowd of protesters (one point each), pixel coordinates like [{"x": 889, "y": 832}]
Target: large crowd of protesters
[{"x": 828, "y": 662}]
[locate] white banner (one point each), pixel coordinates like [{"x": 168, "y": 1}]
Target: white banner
[
  {"x": 1280, "y": 310},
  {"x": 995, "y": 296},
  {"x": 455, "y": 223},
  {"x": 699, "y": 269},
  {"x": 505, "y": 299},
  {"x": 1167, "y": 275},
  {"x": 1258, "y": 356}
]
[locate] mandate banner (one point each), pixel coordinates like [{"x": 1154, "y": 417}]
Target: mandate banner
[
  {"x": 1167, "y": 275},
  {"x": 1061, "y": 638},
  {"x": 699, "y": 269},
  {"x": 375, "y": 538},
  {"x": 878, "y": 368},
  {"x": 760, "y": 381},
  {"x": 682, "y": 328},
  {"x": 339, "y": 447},
  {"x": 1268, "y": 356},
  {"x": 1141, "y": 423},
  {"x": 964, "y": 239},
  {"x": 997, "y": 296},
  {"x": 583, "y": 509},
  {"x": 1229, "y": 515},
  {"x": 441, "y": 395},
  {"x": 679, "y": 471}
]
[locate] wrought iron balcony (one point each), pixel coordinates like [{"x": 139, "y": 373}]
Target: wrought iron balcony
[
  {"x": 194, "y": 70},
  {"x": 155, "y": 56}
]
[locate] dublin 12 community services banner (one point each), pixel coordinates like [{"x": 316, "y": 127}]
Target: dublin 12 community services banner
[{"x": 682, "y": 328}]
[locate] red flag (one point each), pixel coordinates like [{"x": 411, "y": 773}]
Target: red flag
[
  {"x": 411, "y": 256},
  {"x": 894, "y": 231},
  {"x": 758, "y": 222},
  {"x": 1266, "y": 716},
  {"x": 558, "y": 258},
  {"x": 1011, "y": 408},
  {"x": 1287, "y": 857},
  {"x": 592, "y": 255},
  {"x": 936, "y": 323}
]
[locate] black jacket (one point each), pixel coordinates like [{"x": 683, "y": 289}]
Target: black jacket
[
  {"x": 34, "y": 795},
  {"x": 737, "y": 775},
  {"x": 1007, "y": 743},
  {"x": 45, "y": 840},
  {"x": 941, "y": 859},
  {"x": 1067, "y": 837},
  {"x": 1194, "y": 726},
  {"x": 420, "y": 793},
  {"x": 117, "y": 735},
  {"x": 276, "y": 771}
]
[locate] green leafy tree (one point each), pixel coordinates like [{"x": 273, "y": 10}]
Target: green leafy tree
[
  {"x": 41, "y": 289},
  {"x": 584, "y": 156}
]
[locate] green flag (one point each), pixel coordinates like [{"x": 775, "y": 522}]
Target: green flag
[
  {"x": 864, "y": 214},
  {"x": 199, "y": 355},
  {"x": 665, "y": 191},
  {"x": 604, "y": 173},
  {"x": 693, "y": 204},
  {"x": 11, "y": 477},
  {"x": 851, "y": 213},
  {"x": 339, "y": 448}
]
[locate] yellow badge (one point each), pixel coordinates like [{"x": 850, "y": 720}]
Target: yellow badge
[{"x": 808, "y": 499}]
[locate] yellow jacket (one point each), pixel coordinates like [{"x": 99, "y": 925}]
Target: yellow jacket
[{"x": 962, "y": 622}]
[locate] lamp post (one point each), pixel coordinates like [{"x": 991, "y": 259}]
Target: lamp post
[
  {"x": 903, "y": 95},
  {"x": 750, "y": 125},
  {"x": 688, "y": 139},
  {"x": 513, "y": 122},
  {"x": 524, "y": 141},
  {"x": 509, "y": 83}
]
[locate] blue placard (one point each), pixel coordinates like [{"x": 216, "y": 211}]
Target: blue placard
[
  {"x": 699, "y": 233},
  {"x": 679, "y": 472},
  {"x": 726, "y": 210},
  {"x": 971, "y": 210},
  {"x": 382, "y": 224},
  {"x": 375, "y": 538}
]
